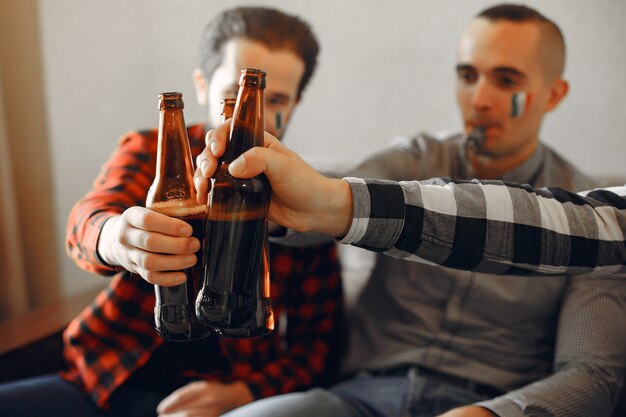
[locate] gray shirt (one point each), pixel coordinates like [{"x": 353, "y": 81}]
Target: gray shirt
[{"x": 550, "y": 343}]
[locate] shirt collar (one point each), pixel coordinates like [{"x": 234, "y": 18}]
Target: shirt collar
[{"x": 524, "y": 173}]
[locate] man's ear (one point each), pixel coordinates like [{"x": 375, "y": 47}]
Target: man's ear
[
  {"x": 558, "y": 91},
  {"x": 202, "y": 87}
]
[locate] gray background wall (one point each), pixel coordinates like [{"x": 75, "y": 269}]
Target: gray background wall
[{"x": 386, "y": 69}]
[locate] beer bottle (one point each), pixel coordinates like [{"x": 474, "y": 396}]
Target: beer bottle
[
  {"x": 234, "y": 299},
  {"x": 227, "y": 108},
  {"x": 173, "y": 193}
]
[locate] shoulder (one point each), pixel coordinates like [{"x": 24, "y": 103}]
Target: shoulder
[
  {"x": 427, "y": 142},
  {"x": 560, "y": 172},
  {"x": 139, "y": 140},
  {"x": 409, "y": 157}
]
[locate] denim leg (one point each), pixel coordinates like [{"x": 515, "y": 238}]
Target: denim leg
[
  {"x": 428, "y": 397},
  {"x": 313, "y": 403},
  {"x": 132, "y": 401},
  {"x": 47, "y": 395},
  {"x": 374, "y": 396}
]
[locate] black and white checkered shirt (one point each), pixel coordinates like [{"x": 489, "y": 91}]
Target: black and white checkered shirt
[{"x": 492, "y": 226}]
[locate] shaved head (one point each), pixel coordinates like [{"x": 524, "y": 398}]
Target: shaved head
[{"x": 551, "y": 47}]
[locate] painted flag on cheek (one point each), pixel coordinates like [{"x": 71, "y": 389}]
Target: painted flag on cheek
[{"x": 519, "y": 103}]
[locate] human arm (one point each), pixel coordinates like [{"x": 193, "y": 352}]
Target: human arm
[
  {"x": 109, "y": 229},
  {"x": 486, "y": 227},
  {"x": 490, "y": 226},
  {"x": 589, "y": 355}
]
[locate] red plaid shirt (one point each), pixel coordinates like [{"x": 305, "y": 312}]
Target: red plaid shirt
[{"x": 114, "y": 336}]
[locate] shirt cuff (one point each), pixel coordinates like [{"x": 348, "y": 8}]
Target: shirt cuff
[
  {"x": 502, "y": 407},
  {"x": 378, "y": 214},
  {"x": 360, "y": 202}
]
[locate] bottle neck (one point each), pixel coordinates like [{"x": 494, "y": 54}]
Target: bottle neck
[
  {"x": 247, "y": 128},
  {"x": 174, "y": 145}
]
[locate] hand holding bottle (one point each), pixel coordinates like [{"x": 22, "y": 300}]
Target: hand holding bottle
[
  {"x": 149, "y": 244},
  {"x": 302, "y": 198}
]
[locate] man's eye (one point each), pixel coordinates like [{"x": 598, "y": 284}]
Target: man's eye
[
  {"x": 467, "y": 76},
  {"x": 276, "y": 102},
  {"x": 506, "y": 82}
]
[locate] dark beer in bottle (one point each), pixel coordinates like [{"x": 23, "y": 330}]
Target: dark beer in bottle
[
  {"x": 173, "y": 193},
  {"x": 234, "y": 299}
]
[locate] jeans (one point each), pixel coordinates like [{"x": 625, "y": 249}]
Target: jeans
[
  {"x": 367, "y": 395},
  {"x": 51, "y": 396}
]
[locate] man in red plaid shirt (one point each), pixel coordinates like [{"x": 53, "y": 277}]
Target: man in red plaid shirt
[{"x": 118, "y": 365}]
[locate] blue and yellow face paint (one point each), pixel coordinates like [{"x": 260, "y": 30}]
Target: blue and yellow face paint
[{"x": 519, "y": 104}]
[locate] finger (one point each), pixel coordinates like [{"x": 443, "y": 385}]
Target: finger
[
  {"x": 184, "y": 397},
  {"x": 216, "y": 139},
  {"x": 260, "y": 161},
  {"x": 270, "y": 141},
  {"x": 202, "y": 185},
  {"x": 257, "y": 160},
  {"x": 206, "y": 162},
  {"x": 150, "y": 220},
  {"x": 160, "y": 243},
  {"x": 147, "y": 264},
  {"x": 165, "y": 279}
]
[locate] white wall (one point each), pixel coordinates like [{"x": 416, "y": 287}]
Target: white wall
[{"x": 386, "y": 68}]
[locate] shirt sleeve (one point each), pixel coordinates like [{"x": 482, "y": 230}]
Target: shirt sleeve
[
  {"x": 306, "y": 351},
  {"x": 589, "y": 356},
  {"x": 491, "y": 226},
  {"x": 123, "y": 182}
]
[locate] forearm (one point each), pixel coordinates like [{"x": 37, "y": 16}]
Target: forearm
[
  {"x": 122, "y": 183},
  {"x": 84, "y": 227},
  {"x": 579, "y": 392},
  {"x": 487, "y": 227}
]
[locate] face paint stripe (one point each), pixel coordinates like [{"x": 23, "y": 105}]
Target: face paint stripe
[
  {"x": 519, "y": 103},
  {"x": 279, "y": 121}
]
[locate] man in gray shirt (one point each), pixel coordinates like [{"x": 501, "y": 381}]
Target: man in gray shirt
[{"x": 426, "y": 340}]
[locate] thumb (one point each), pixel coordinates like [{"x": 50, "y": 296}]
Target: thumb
[{"x": 253, "y": 162}]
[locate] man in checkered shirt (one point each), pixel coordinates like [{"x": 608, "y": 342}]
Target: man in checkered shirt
[
  {"x": 427, "y": 340},
  {"x": 118, "y": 365}
]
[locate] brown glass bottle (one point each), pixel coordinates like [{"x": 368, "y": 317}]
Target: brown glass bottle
[
  {"x": 173, "y": 193},
  {"x": 234, "y": 299},
  {"x": 227, "y": 108}
]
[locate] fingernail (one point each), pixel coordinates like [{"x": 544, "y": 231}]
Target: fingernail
[
  {"x": 190, "y": 260},
  {"x": 203, "y": 166},
  {"x": 213, "y": 147},
  {"x": 177, "y": 279},
  {"x": 238, "y": 164},
  {"x": 195, "y": 245},
  {"x": 186, "y": 230}
]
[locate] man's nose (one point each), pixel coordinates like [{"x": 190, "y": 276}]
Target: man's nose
[{"x": 482, "y": 94}]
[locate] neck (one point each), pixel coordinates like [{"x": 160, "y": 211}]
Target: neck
[{"x": 493, "y": 167}]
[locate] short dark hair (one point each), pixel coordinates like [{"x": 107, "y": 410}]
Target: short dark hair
[
  {"x": 270, "y": 27},
  {"x": 551, "y": 32}
]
